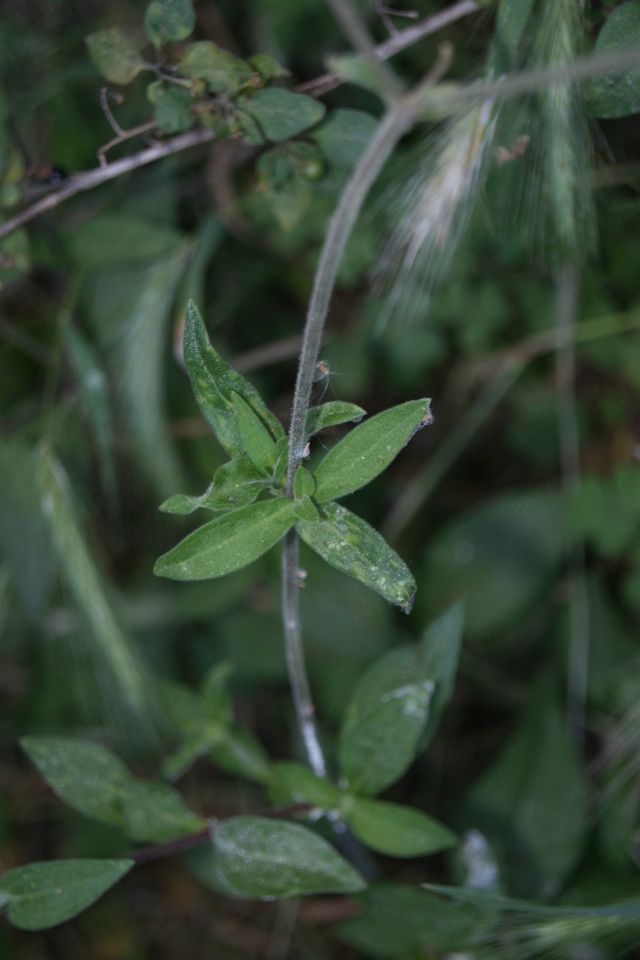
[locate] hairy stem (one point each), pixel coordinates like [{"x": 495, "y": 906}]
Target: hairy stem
[{"x": 394, "y": 124}]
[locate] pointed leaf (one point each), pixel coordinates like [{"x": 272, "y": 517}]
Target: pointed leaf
[
  {"x": 378, "y": 744},
  {"x": 214, "y": 382},
  {"x": 42, "y": 895},
  {"x": 96, "y": 783},
  {"x": 155, "y": 812},
  {"x": 397, "y": 830},
  {"x": 258, "y": 443},
  {"x": 532, "y": 804},
  {"x": 85, "y": 775},
  {"x": 228, "y": 542},
  {"x": 301, "y": 785},
  {"x": 281, "y": 114},
  {"x": 235, "y": 484},
  {"x": 256, "y": 858},
  {"x": 331, "y": 415},
  {"x": 115, "y": 55},
  {"x": 169, "y": 20},
  {"x": 348, "y": 543},
  {"x": 395, "y": 921},
  {"x": 368, "y": 450},
  {"x": 435, "y": 659}
]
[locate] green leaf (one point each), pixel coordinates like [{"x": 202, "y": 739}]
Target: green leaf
[
  {"x": 214, "y": 382},
  {"x": 42, "y": 895},
  {"x": 348, "y": 543},
  {"x": 86, "y": 776},
  {"x": 617, "y": 94},
  {"x": 172, "y": 107},
  {"x": 531, "y": 804},
  {"x": 303, "y": 483},
  {"x": 397, "y": 830},
  {"x": 169, "y": 20},
  {"x": 606, "y": 510},
  {"x": 331, "y": 414},
  {"x": 281, "y": 114},
  {"x": 260, "y": 858},
  {"x": 268, "y": 67},
  {"x": 239, "y": 752},
  {"x": 283, "y": 183},
  {"x": 499, "y": 558},
  {"x": 155, "y": 812},
  {"x": 235, "y": 484},
  {"x": 343, "y": 136},
  {"x": 228, "y": 542},
  {"x": 378, "y": 741},
  {"x": 356, "y": 70},
  {"x": 115, "y": 55},
  {"x": 398, "y": 921},
  {"x": 511, "y": 23},
  {"x": 96, "y": 783},
  {"x": 121, "y": 238},
  {"x": 204, "y": 720},
  {"x": 258, "y": 443},
  {"x": 219, "y": 69},
  {"x": 368, "y": 450},
  {"x": 301, "y": 785},
  {"x": 434, "y": 659}
]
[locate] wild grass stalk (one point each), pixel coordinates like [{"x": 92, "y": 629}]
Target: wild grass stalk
[
  {"x": 433, "y": 207},
  {"x": 124, "y": 679},
  {"x": 562, "y": 149}
]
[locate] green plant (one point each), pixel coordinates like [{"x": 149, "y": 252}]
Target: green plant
[{"x": 312, "y": 829}]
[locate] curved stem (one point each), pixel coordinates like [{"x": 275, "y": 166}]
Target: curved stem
[{"x": 394, "y": 124}]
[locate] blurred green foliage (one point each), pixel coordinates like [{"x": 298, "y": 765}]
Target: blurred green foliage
[{"x": 98, "y": 426}]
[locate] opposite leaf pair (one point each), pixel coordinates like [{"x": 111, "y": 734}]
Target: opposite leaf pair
[{"x": 257, "y": 444}]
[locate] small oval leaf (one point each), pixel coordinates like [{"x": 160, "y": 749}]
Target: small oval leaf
[
  {"x": 169, "y": 20},
  {"x": 219, "y": 69},
  {"x": 260, "y": 858},
  {"x": 42, "y": 895},
  {"x": 281, "y": 114},
  {"x": 368, "y": 450},
  {"x": 348, "y": 543},
  {"x": 396, "y": 830},
  {"x": 115, "y": 55},
  {"x": 229, "y": 542}
]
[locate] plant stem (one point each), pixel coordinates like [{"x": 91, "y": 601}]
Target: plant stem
[
  {"x": 578, "y": 661},
  {"x": 394, "y": 124}
]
